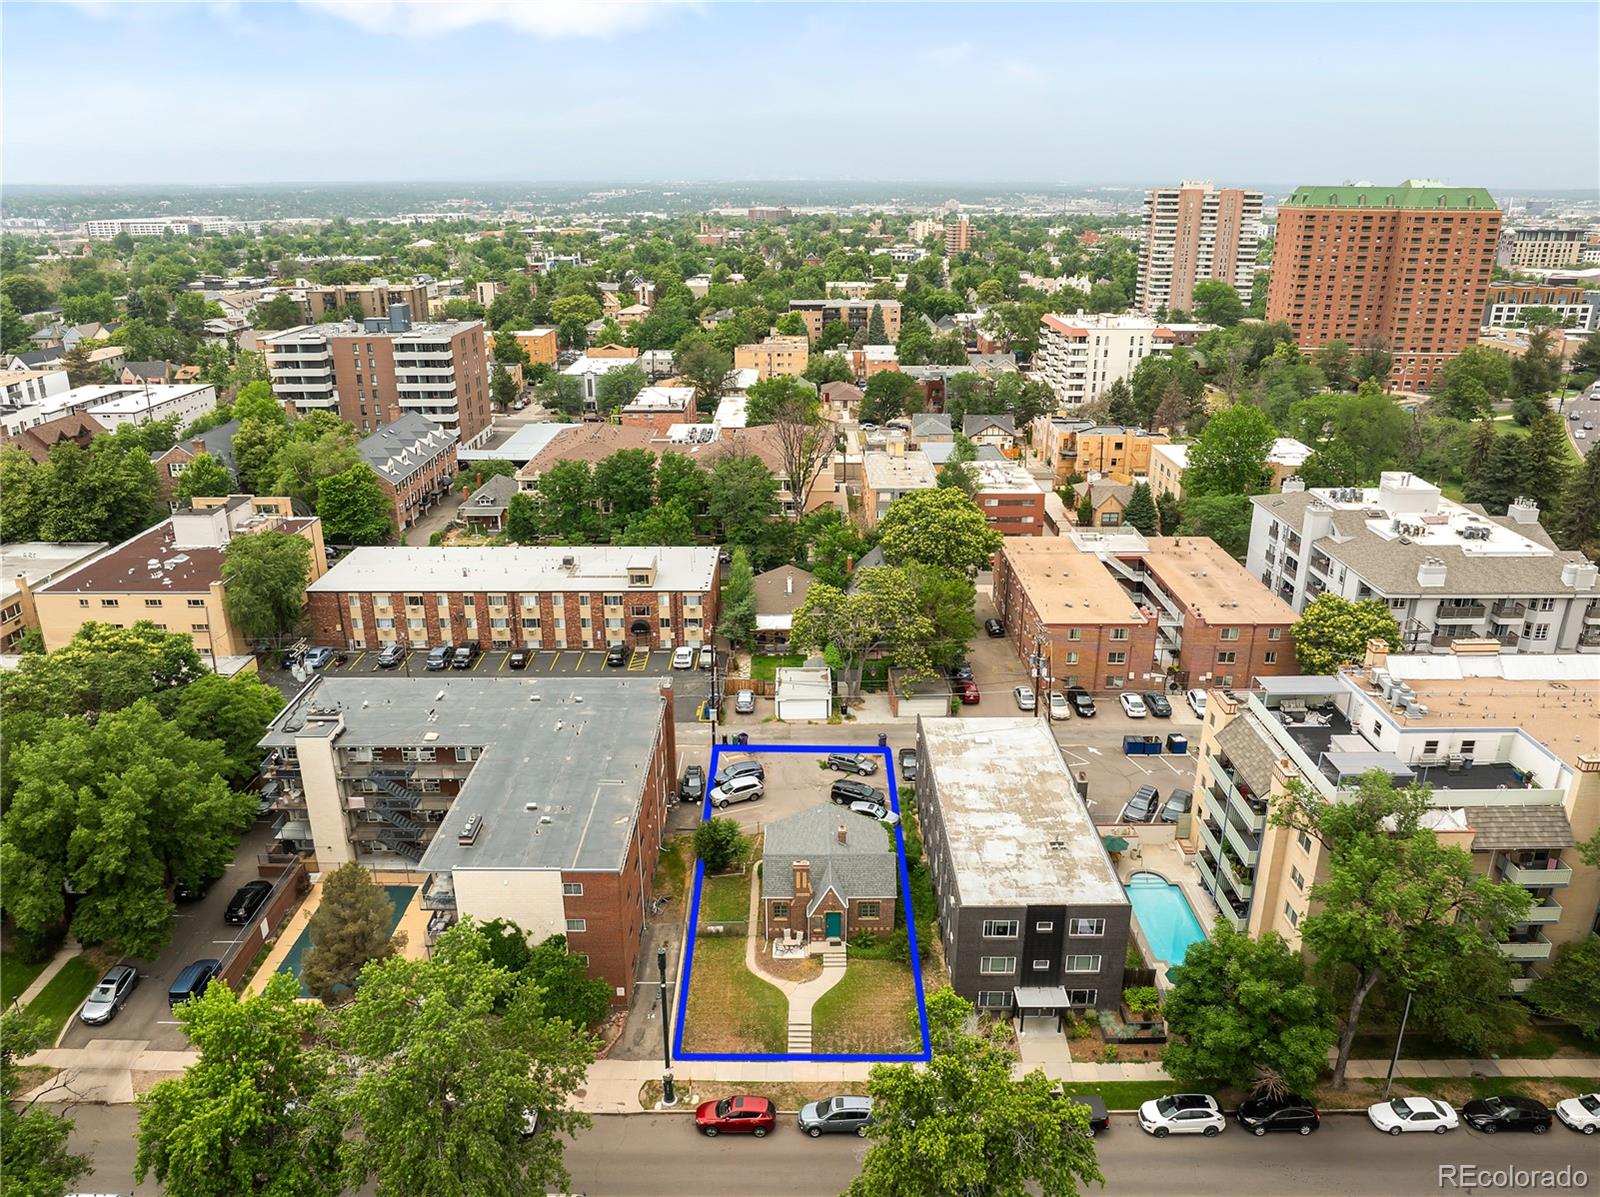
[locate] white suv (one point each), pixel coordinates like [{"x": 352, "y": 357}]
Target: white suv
[{"x": 747, "y": 788}]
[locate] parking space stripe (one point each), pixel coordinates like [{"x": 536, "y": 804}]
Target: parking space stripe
[
  {"x": 553, "y": 661},
  {"x": 578, "y": 668},
  {"x": 357, "y": 661},
  {"x": 478, "y": 664},
  {"x": 503, "y": 661}
]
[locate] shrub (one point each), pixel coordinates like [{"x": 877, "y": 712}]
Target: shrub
[
  {"x": 1142, "y": 1000},
  {"x": 720, "y": 844}
]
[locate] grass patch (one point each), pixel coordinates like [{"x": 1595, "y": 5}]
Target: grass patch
[
  {"x": 58, "y": 1000},
  {"x": 15, "y": 976},
  {"x": 1124, "y": 1095},
  {"x": 731, "y": 1009},
  {"x": 788, "y": 1095},
  {"x": 873, "y": 1009},
  {"x": 765, "y": 668},
  {"x": 725, "y": 898},
  {"x": 1541, "y": 1042},
  {"x": 673, "y": 867},
  {"x": 1456, "y": 1090}
]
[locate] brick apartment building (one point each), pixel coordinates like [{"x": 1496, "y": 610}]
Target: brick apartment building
[
  {"x": 536, "y": 799},
  {"x": 1404, "y": 267},
  {"x": 852, "y": 313},
  {"x": 415, "y": 461},
  {"x": 1009, "y": 498},
  {"x": 217, "y": 442},
  {"x": 659, "y": 408},
  {"x": 369, "y": 374},
  {"x": 539, "y": 342},
  {"x": 546, "y": 597},
  {"x": 1194, "y": 233},
  {"x": 1083, "y": 447},
  {"x": 374, "y": 299}
]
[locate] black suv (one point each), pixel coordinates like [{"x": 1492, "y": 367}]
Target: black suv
[
  {"x": 852, "y": 762},
  {"x": 1082, "y": 702},
  {"x": 693, "y": 786},
  {"x": 617, "y": 655},
  {"x": 244, "y": 904},
  {"x": 847, "y": 790},
  {"x": 1157, "y": 705},
  {"x": 1291, "y": 1112},
  {"x": 464, "y": 656},
  {"x": 439, "y": 658},
  {"x": 1141, "y": 808},
  {"x": 738, "y": 769}
]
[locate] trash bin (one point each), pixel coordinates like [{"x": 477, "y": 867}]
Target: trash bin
[
  {"x": 742, "y": 738},
  {"x": 724, "y": 737},
  {"x": 883, "y": 740}
]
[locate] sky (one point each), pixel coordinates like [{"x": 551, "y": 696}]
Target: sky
[{"x": 555, "y": 90}]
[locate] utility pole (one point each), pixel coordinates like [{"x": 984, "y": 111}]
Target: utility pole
[
  {"x": 1039, "y": 662},
  {"x": 668, "y": 1096},
  {"x": 1394, "y": 1060}
]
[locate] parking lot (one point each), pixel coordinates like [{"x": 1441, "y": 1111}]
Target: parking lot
[
  {"x": 795, "y": 781},
  {"x": 1093, "y": 747},
  {"x": 572, "y": 662},
  {"x": 198, "y": 933}
]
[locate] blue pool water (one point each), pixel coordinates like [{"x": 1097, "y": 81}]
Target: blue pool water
[
  {"x": 1164, "y": 916},
  {"x": 400, "y": 895}
]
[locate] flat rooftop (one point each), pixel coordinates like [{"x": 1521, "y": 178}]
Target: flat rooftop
[
  {"x": 898, "y": 471},
  {"x": 1068, "y": 586},
  {"x": 1200, "y": 574},
  {"x": 32, "y": 561},
  {"x": 519, "y": 568},
  {"x": 152, "y": 562},
  {"x": 575, "y": 748},
  {"x": 1018, "y": 834}
]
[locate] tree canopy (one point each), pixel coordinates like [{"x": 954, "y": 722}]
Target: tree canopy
[
  {"x": 1333, "y": 631},
  {"x": 941, "y": 527}
]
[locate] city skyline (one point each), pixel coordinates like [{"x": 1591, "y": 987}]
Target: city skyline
[{"x": 338, "y": 92}]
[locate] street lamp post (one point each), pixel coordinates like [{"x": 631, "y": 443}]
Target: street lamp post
[{"x": 668, "y": 1096}]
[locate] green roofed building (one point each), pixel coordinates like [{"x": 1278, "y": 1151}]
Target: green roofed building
[{"x": 1405, "y": 267}]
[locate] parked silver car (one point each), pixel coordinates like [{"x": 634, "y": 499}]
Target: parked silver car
[{"x": 106, "y": 998}]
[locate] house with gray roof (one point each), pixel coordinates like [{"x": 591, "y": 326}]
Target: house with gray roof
[
  {"x": 218, "y": 442},
  {"x": 415, "y": 461},
  {"x": 931, "y": 428},
  {"x": 485, "y": 510},
  {"x": 997, "y": 429},
  {"x": 828, "y": 874}
]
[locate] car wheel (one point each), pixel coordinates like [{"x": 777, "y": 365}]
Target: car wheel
[
  {"x": 1488, "y": 1129},
  {"x": 1305, "y": 1130},
  {"x": 1589, "y": 1130},
  {"x": 815, "y": 1132},
  {"x": 1258, "y": 1131},
  {"x": 711, "y": 1132},
  {"x": 1539, "y": 1130},
  {"x": 1395, "y": 1130},
  {"x": 723, "y": 804},
  {"x": 1211, "y": 1132},
  {"x": 1439, "y": 1130},
  {"x": 759, "y": 1132},
  {"x": 861, "y": 1132},
  {"x": 1161, "y": 1132}
]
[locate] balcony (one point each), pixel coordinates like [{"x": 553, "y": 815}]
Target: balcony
[
  {"x": 1246, "y": 845},
  {"x": 439, "y": 892},
  {"x": 1591, "y": 616},
  {"x": 1531, "y": 947},
  {"x": 1507, "y": 637},
  {"x": 1443, "y": 639},
  {"x": 1508, "y": 611},
  {"x": 1549, "y": 874},
  {"x": 1238, "y": 879},
  {"x": 1461, "y": 613},
  {"x": 1208, "y": 872},
  {"x": 1211, "y": 836},
  {"x": 1589, "y": 641},
  {"x": 1320, "y": 562},
  {"x": 1520, "y": 984},
  {"x": 1234, "y": 917},
  {"x": 1250, "y": 813},
  {"x": 1544, "y": 914}
]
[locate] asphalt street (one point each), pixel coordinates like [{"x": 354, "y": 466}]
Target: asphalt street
[{"x": 645, "y": 1155}]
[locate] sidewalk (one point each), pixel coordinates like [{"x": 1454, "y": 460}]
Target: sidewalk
[{"x": 57, "y": 962}]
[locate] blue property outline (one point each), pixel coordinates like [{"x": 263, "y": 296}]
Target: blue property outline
[{"x": 905, "y": 891}]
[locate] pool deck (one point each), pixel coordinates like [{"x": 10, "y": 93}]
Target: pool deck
[
  {"x": 413, "y": 923},
  {"x": 1168, "y": 861}
]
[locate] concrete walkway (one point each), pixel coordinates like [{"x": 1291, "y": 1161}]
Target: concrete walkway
[
  {"x": 57, "y": 962},
  {"x": 802, "y": 995}
]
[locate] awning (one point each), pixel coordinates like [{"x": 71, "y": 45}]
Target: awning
[
  {"x": 1043, "y": 997},
  {"x": 1353, "y": 764},
  {"x": 1299, "y": 686}
]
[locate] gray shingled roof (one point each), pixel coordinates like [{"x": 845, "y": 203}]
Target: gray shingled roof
[
  {"x": 396, "y": 450},
  {"x": 930, "y": 424},
  {"x": 493, "y": 496},
  {"x": 864, "y": 866},
  {"x": 1513, "y": 828},
  {"x": 1253, "y": 756},
  {"x": 974, "y": 424}
]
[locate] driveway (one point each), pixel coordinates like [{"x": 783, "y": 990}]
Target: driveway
[{"x": 198, "y": 933}]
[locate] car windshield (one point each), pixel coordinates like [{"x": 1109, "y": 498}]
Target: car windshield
[
  {"x": 1590, "y": 1102},
  {"x": 1400, "y": 1107},
  {"x": 1166, "y": 1107},
  {"x": 103, "y": 992},
  {"x": 1494, "y": 1105},
  {"x": 825, "y": 1106}
]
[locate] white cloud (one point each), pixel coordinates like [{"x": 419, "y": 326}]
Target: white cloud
[{"x": 542, "y": 18}]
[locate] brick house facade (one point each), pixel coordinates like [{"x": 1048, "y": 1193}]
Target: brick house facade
[
  {"x": 827, "y": 874},
  {"x": 415, "y": 461}
]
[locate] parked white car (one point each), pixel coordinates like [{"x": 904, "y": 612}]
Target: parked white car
[
  {"x": 1132, "y": 706},
  {"x": 1025, "y": 698},
  {"x": 1581, "y": 1113},
  {"x": 1182, "y": 1114},
  {"x": 746, "y": 788},
  {"x": 1060, "y": 708},
  {"x": 683, "y": 658},
  {"x": 1406, "y": 1114},
  {"x": 875, "y": 810},
  {"x": 1197, "y": 702}
]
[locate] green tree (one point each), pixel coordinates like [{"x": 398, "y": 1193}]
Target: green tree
[
  {"x": 106, "y": 813},
  {"x": 1216, "y": 302},
  {"x": 1587, "y": 358},
  {"x": 1169, "y": 513},
  {"x": 1085, "y": 512},
  {"x": 832, "y": 545},
  {"x": 1224, "y": 518},
  {"x": 617, "y": 388},
  {"x": 940, "y": 527},
  {"x": 1469, "y": 383},
  {"x": 737, "y": 623},
  {"x": 1395, "y": 904},
  {"x": 625, "y": 484},
  {"x": 234, "y": 712},
  {"x": 680, "y": 480},
  {"x": 880, "y": 611},
  {"x": 834, "y": 333},
  {"x": 663, "y": 524},
  {"x": 1496, "y": 478},
  {"x": 1230, "y": 457},
  {"x": 958, "y": 475},
  {"x": 277, "y": 1136},
  {"x": 823, "y": 368},
  {"x": 255, "y": 401},
  {"x": 502, "y": 386},
  {"x": 33, "y": 1140},
  {"x": 1537, "y": 372},
  {"x": 946, "y": 601},
  {"x": 1334, "y": 631},
  {"x": 1238, "y": 1006},
  {"x": 524, "y": 524},
  {"x": 255, "y": 445},
  {"x": 1570, "y": 988},
  {"x": 963, "y": 1123},
  {"x": 309, "y": 457},
  {"x": 741, "y": 497},
  {"x": 875, "y": 329},
  {"x": 350, "y": 928},
  {"x": 790, "y": 324},
  {"x": 476, "y": 1039},
  {"x": 205, "y": 475},
  {"x": 888, "y": 395},
  {"x": 566, "y": 505},
  {"x": 566, "y": 991},
  {"x": 354, "y": 508},
  {"x": 790, "y": 407},
  {"x": 1334, "y": 360},
  {"x": 708, "y": 370},
  {"x": 277, "y": 313},
  {"x": 266, "y": 574},
  {"x": 1544, "y": 462},
  {"x": 1140, "y": 513},
  {"x": 720, "y": 844},
  {"x": 1577, "y": 525}
]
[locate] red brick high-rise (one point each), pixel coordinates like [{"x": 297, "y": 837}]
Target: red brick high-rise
[{"x": 1405, "y": 267}]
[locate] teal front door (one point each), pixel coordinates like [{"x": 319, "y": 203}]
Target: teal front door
[{"x": 835, "y": 924}]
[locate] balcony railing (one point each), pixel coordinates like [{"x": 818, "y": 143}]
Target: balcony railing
[
  {"x": 1591, "y": 616},
  {"x": 1534, "y": 947},
  {"x": 1508, "y": 610},
  {"x": 1237, "y": 919},
  {"x": 1552, "y": 874},
  {"x": 1237, "y": 878},
  {"x": 1520, "y": 984},
  {"x": 1246, "y": 845},
  {"x": 1461, "y": 613},
  {"x": 1544, "y": 914},
  {"x": 1507, "y": 637},
  {"x": 1251, "y": 812},
  {"x": 1211, "y": 836}
]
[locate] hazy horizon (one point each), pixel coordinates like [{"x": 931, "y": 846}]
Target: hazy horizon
[{"x": 337, "y": 93}]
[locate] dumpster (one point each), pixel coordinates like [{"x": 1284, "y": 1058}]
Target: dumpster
[
  {"x": 1177, "y": 743},
  {"x": 1141, "y": 745}
]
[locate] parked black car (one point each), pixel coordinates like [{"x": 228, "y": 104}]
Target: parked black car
[
  {"x": 693, "y": 786},
  {"x": 908, "y": 764},
  {"x": 1493, "y": 1114},
  {"x": 994, "y": 627},
  {"x": 1141, "y": 808},
  {"x": 1099, "y": 1116},
  {"x": 617, "y": 655},
  {"x": 192, "y": 891},
  {"x": 1291, "y": 1112},
  {"x": 1082, "y": 702},
  {"x": 1178, "y": 803},
  {"x": 738, "y": 769},
  {"x": 961, "y": 672},
  {"x": 518, "y": 659},
  {"x": 243, "y": 906},
  {"x": 466, "y": 655},
  {"x": 1157, "y": 704},
  {"x": 391, "y": 656},
  {"x": 847, "y": 790}
]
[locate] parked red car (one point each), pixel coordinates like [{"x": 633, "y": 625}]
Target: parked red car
[
  {"x": 742, "y": 1115},
  {"x": 968, "y": 693}
]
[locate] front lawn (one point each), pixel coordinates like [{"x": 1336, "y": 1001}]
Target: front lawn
[
  {"x": 60, "y": 999},
  {"x": 15, "y": 976},
  {"x": 731, "y": 1009},
  {"x": 873, "y": 1009},
  {"x": 765, "y": 668},
  {"x": 725, "y": 898}
]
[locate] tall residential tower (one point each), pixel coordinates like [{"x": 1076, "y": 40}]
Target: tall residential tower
[{"x": 1192, "y": 233}]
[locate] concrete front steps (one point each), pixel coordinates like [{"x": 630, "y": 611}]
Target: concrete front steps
[{"x": 799, "y": 1039}]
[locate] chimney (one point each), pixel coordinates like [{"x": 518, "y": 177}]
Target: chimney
[
  {"x": 802, "y": 881},
  {"x": 1377, "y": 654},
  {"x": 843, "y": 838},
  {"x": 1523, "y": 510},
  {"x": 1430, "y": 573},
  {"x": 1293, "y": 485},
  {"x": 1580, "y": 575}
]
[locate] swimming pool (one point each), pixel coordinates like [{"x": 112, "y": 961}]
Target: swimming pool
[{"x": 1164, "y": 915}]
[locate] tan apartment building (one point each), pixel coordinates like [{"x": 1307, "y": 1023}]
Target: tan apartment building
[
  {"x": 540, "y": 344},
  {"x": 370, "y": 374},
  {"x": 505, "y": 596},
  {"x": 375, "y": 299},
  {"x": 1541, "y": 249},
  {"x": 541, "y": 800},
  {"x": 172, "y": 575},
  {"x": 25, "y": 566},
  {"x": 1404, "y": 267},
  {"x": 854, "y": 314},
  {"x": 1083, "y": 447},
  {"x": 1194, "y": 233},
  {"x": 1513, "y": 763},
  {"x": 774, "y": 355}
]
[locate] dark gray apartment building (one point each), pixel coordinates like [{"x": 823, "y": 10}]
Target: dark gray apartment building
[{"x": 1034, "y": 919}]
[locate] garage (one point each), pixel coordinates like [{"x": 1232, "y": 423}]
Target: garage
[{"x": 804, "y": 692}]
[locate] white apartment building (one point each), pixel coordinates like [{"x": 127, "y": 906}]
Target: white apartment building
[
  {"x": 1541, "y": 249},
  {"x": 113, "y": 404},
  {"x": 156, "y": 226},
  {"x": 1081, "y": 355},
  {"x": 1447, "y": 573},
  {"x": 1194, "y": 233},
  {"x": 23, "y": 388}
]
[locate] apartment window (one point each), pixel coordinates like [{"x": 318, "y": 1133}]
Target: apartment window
[
  {"x": 83, "y": 602},
  {"x": 1274, "y": 633},
  {"x": 613, "y": 600},
  {"x": 1227, "y": 657},
  {"x": 416, "y": 755},
  {"x": 1087, "y": 927},
  {"x": 994, "y": 999},
  {"x": 780, "y": 910},
  {"x": 1229, "y": 634},
  {"x": 110, "y": 603},
  {"x": 1001, "y": 928},
  {"x": 1304, "y": 841},
  {"x": 1544, "y": 604},
  {"x": 466, "y": 754},
  {"x": 1290, "y": 914},
  {"x": 1044, "y": 928},
  {"x": 497, "y": 600},
  {"x": 1298, "y": 878},
  {"x": 869, "y": 910},
  {"x": 152, "y": 602},
  {"x": 997, "y": 965},
  {"x": 1469, "y": 747},
  {"x": 1083, "y": 997},
  {"x": 1541, "y": 631},
  {"x": 1119, "y": 633},
  {"x": 1081, "y": 964},
  {"x": 1040, "y": 966},
  {"x": 413, "y": 600},
  {"x": 1269, "y": 658},
  {"x": 575, "y": 926},
  {"x": 197, "y": 602},
  {"x": 1074, "y": 634},
  {"x": 572, "y": 889},
  {"x": 199, "y": 627},
  {"x": 1072, "y": 658}
]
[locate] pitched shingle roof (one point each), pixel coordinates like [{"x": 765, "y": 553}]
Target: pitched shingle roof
[
  {"x": 1513, "y": 828},
  {"x": 864, "y": 866},
  {"x": 975, "y": 424},
  {"x": 1247, "y": 747},
  {"x": 396, "y": 450}
]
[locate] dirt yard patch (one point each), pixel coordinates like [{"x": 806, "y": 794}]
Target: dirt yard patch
[
  {"x": 789, "y": 1095},
  {"x": 730, "y": 1009},
  {"x": 794, "y": 968}
]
